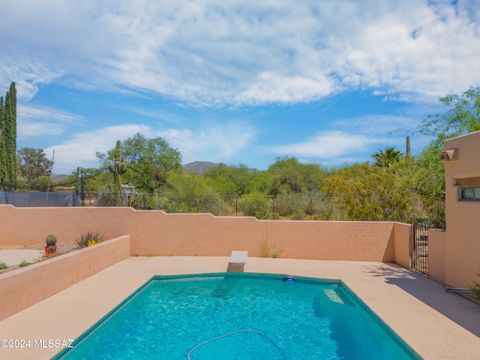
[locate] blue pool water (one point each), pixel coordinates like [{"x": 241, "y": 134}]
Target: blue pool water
[{"x": 240, "y": 316}]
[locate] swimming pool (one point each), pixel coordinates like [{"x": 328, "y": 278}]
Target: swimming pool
[{"x": 240, "y": 316}]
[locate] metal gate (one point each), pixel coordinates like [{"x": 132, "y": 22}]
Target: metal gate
[{"x": 419, "y": 251}]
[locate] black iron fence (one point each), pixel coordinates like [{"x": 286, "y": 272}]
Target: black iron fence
[{"x": 419, "y": 248}]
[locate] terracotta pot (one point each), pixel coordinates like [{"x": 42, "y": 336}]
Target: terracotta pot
[{"x": 50, "y": 249}]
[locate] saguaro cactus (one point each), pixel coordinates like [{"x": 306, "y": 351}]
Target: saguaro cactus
[{"x": 117, "y": 168}]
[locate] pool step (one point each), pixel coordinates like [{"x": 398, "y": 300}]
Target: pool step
[{"x": 333, "y": 296}]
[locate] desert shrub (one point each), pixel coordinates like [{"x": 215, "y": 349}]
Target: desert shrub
[
  {"x": 3, "y": 266},
  {"x": 40, "y": 183},
  {"x": 255, "y": 204},
  {"x": 267, "y": 251},
  {"x": 264, "y": 249},
  {"x": 290, "y": 204},
  {"x": 89, "y": 239},
  {"x": 191, "y": 193},
  {"x": 24, "y": 263},
  {"x": 105, "y": 198},
  {"x": 475, "y": 289}
]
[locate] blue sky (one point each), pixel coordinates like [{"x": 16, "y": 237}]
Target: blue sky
[{"x": 327, "y": 82}]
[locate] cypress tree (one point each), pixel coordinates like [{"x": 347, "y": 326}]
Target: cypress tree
[
  {"x": 11, "y": 135},
  {"x": 3, "y": 149}
]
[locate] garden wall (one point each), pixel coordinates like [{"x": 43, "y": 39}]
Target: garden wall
[
  {"x": 157, "y": 233},
  {"x": 24, "y": 287},
  {"x": 204, "y": 234}
]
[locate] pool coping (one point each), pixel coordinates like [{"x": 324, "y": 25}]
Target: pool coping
[{"x": 306, "y": 279}]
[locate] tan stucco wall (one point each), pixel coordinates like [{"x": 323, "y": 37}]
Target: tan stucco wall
[
  {"x": 402, "y": 234},
  {"x": 24, "y": 287},
  {"x": 204, "y": 234},
  {"x": 462, "y": 217},
  {"x": 437, "y": 241},
  {"x": 158, "y": 233}
]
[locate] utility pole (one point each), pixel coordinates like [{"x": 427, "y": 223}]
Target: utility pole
[{"x": 50, "y": 176}]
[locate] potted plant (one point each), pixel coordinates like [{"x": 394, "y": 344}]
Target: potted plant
[{"x": 51, "y": 244}]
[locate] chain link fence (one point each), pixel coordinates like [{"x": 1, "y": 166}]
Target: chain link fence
[{"x": 39, "y": 198}]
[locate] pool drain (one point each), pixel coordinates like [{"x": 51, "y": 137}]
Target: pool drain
[{"x": 233, "y": 333}]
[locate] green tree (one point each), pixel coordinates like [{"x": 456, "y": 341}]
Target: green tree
[
  {"x": 33, "y": 163},
  {"x": 148, "y": 161},
  {"x": 387, "y": 157},
  {"x": 288, "y": 175},
  {"x": 3, "y": 145},
  {"x": 190, "y": 193},
  {"x": 231, "y": 180},
  {"x": 462, "y": 116},
  {"x": 366, "y": 192},
  {"x": 9, "y": 133},
  {"x": 117, "y": 167},
  {"x": 428, "y": 181}
]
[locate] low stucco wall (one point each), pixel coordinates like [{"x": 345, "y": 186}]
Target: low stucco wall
[
  {"x": 205, "y": 234},
  {"x": 24, "y": 227},
  {"x": 157, "y": 233},
  {"x": 437, "y": 256},
  {"x": 24, "y": 287}
]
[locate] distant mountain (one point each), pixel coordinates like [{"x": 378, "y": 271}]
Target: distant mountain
[
  {"x": 59, "y": 177},
  {"x": 199, "y": 167}
]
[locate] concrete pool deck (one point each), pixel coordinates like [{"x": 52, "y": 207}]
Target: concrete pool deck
[{"x": 436, "y": 324}]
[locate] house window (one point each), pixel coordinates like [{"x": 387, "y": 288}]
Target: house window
[
  {"x": 470, "y": 193},
  {"x": 468, "y": 188}
]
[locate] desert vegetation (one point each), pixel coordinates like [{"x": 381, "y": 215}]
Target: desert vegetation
[{"x": 147, "y": 173}]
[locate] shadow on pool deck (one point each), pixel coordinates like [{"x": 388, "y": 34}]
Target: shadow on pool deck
[{"x": 458, "y": 309}]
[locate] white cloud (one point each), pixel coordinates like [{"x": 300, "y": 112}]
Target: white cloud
[
  {"x": 216, "y": 142},
  {"x": 353, "y": 138},
  {"x": 385, "y": 125},
  {"x": 252, "y": 52},
  {"x": 27, "y": 75},
  {"x": 326, "y": 145},
  {"x": 81, "y": 148},
  {"x": 34, "y": 121}
]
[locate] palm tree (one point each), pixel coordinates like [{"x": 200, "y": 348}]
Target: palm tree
[{"x": 387, "y": 157}]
